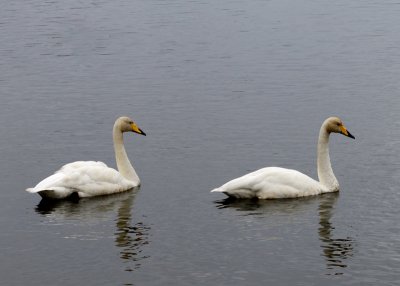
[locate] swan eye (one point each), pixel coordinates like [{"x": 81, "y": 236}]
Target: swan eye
[{"x": 130, "y": 122}]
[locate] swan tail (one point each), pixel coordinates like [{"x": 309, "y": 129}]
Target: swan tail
[
  {"x": 217, "y": 190},
  {"x": 42, "y": 193},
  {"x": 53, "y": 193}
]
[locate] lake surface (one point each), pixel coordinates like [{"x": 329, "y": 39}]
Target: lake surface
[{"x": 221, "y": 88}]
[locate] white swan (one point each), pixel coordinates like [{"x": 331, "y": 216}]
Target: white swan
[
  {"x": 275, "y": 183},
  {"x": 90, "y": 178}
]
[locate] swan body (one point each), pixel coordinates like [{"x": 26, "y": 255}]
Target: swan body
[
  {"x": 272, "y": 183},
  {"x": 277, "y": 183},
  {"x": 93, "y": 178}
]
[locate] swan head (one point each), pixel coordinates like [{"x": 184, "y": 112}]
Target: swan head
[
  {"x": 125, "y": 124},
  {"x": 335, "y": 125}
]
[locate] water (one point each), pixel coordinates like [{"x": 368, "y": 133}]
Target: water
[{"x": 221, "y": 88}]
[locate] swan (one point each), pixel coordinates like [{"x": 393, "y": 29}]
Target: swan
[
  {"x": 277, "y": 183},
  {"x": 93, "y": 178}
]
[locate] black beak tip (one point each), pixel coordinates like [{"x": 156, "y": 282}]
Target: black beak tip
[
  {"x": 351, "y": 136},
  {"x": 142, "y": 133}
]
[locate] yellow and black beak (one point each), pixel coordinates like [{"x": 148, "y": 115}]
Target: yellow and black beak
[
  {"x": 345, "y": 132},
  {"x": 137, "y": 130}
]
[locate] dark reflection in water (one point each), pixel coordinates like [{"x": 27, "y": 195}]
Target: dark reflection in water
[
  {"x": 46, "y": 207},
  {"x": 335, "y": 250},
  {"x": 129, "y": 236},
  {"x": 260, "y": 207}
]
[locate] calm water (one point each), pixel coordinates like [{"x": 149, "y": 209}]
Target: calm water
[{"x": 221, "y": 88}]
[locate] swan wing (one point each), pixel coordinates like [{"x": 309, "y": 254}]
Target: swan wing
[
  {"x": 80, "y": 164},
  {"x": 272, "y": 183},
  {"x": 100, "y": 180},
  {"x": 88, "y": 179},
  {"x": 52, "y": 187}
]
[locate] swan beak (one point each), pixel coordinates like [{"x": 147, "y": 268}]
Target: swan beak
[
  {"x": 345, "y": 132},
  {"x": 137, "y": 130}
]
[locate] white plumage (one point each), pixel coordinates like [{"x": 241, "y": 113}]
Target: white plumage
[
  {"x": 276, "y": 183},
  {"x": 91, "y": 178},
  {"x": 272, "y": 183}
]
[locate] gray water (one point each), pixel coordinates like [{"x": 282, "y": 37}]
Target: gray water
[{"x": 221, "y": 88}]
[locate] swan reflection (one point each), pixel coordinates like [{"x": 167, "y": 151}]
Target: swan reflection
[
  {"x": 129, "y": 236},
  {"x": 266, "y": 207},
  {"x": 335, "y": 250}
]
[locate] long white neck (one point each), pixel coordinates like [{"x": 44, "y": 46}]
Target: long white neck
[
  {"x": 325, "y": 172},
  {"x": 123, "y": 164}
]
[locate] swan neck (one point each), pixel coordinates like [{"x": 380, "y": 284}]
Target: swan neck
[
  {"x": 325, "y": 172},
  {"x": 123, "y": 164}
]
